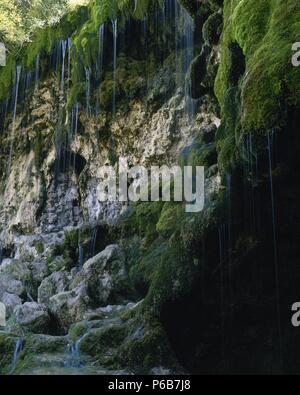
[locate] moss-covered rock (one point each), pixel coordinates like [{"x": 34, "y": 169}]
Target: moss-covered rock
[{"x": 264, "y": 32}]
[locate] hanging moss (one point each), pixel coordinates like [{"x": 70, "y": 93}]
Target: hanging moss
[
  {"x": 265, "y": 31},
  {"x": 43, "y": 42}
]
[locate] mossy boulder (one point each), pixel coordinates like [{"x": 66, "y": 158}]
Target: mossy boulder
[
  {"x": 7, "y": 347},
  {"x": 212, "y": 28}
]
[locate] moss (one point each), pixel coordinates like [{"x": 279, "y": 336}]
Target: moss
[
  {"x": 78, "y": 330},
  {"x": 264, "y": 30},
  {"x": 146, "y": 347},
  {"x": 170, "y": 218},
  {"x": 98, "y": 342},
  {"x": 212, "y": 28},
  {"x": 144, "y": 219},
  {"x": 39, "y": 246},
  {"x": 43, "y": 42},
  {"x": 7, "y": 346},
  {"x": 144, "y": 268}
]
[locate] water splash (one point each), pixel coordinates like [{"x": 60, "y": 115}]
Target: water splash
[
  {"x": 115, "y": 37},
  {"x": 73, "y": 359}
]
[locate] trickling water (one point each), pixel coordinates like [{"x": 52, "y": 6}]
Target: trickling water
[
  {"x": 37, "y": 70},
  {"x": 188, "y": 58},
  {"x": 115, "y": 36},
  {"x": 69, "y": 60},
  {"x": 64, "y": 44},
  {"x": 88, "y": 89},
  {"x": 184, "y": 45},
  {"x": 94, "y": 241},
  {"x": 17, "y": 351},
  {"x": 99, "y": 63},
  {"x": 270, "y": 151},
  {"x": 17, "y": 83},
  {"x": 81, "y": 256},
  {"x": 222, "y": 305},
  {"x": 229, "y": 208},
  {"x": 101, "y": 49},
  {"x": 73, "y": 359}
]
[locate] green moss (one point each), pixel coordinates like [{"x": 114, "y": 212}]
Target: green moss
[
  {"x": 7, "y": 346},
  {"x": 170, "y": 218},
  {"x": 144, "y": 219},
  {"x": 99, "y": 341},
  {"x": 78, "y": 330},
  {"x": 265, "y": 31},
  {"x": 146, "y": 350},
  {"x": 43, "y": 42},
  {"x": 143, "y": 270}
]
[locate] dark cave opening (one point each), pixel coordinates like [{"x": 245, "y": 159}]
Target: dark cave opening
[{"x": 237, "y": 317}]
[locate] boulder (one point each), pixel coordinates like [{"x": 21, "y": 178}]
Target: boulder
[
  {"x": 9, "y": 284},
  {"x": 10, "y": 301},
  {"x": 57, "y": 283},
  {"x": 33, "y": 317},
  {"x": 39, "y": 271},
  {"x": 106, "y": 277},
  {"x": 69, "y": 307}
]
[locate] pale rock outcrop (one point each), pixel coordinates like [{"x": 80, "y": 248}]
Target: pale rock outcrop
[
  {"x": 33, "y": 317},
  {"x": 10, "y": 301},
  {"x": 57, "y": 283},
  {"x": 69, "y": 307}
]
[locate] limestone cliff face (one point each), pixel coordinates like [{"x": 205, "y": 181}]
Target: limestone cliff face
[
  {"x": 71, "y": 265},
  {"x": 93, "y": 287}
]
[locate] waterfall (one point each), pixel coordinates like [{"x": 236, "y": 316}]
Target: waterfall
[
  {"x": 37, "y": 70},
  {"x": 18, "y": 349},
  {"x": 99, "y": 63},
  {"x": 229, "y": 209},
  {"x": 17, "y": 83},
  {"x": 73, "y": 355},
  {"x": 270, "y": 152},
  {"x": 188, "y": 58},
  {"x": 94, "y": 241},
  {"x": 69, "y": 60},
  {"x": 184, "y": 43},
  {"x": 222, "y": 290},
  {"x": 88, "y": 90},
  {"x": 101, "y": 49},
  {"x": 64, "y": 44},
  {"x": 115, "y": 36},
  {"x": 81, "y": 257}
]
